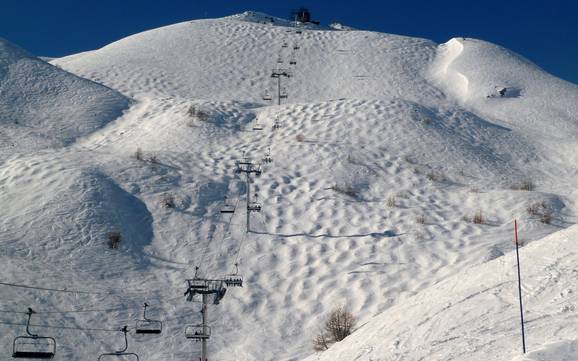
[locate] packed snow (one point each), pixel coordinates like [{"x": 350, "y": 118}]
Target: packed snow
[{"x": 383, "y": 152}]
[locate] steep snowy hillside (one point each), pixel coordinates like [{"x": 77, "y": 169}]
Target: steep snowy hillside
[
  {"x": 230, "y": 58},
  {"x": 42, "y": 106},
  {"x": 475, "y": 314},
  {"x": 379, "y": 181}
]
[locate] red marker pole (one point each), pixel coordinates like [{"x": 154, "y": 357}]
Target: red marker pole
[{"x": 520, "y": 287}]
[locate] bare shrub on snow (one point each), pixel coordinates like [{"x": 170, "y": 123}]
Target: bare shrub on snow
[
  {"x": 436, "y": 176},
  {"x": 338, "y": 325},
  {"x": 300, "y": 138},
  {"x": 138, "y": 154},
  {"x": 196, "y": 113},
  {"x": 540, "y": 210},
  {"x": 113, "y": 239},
  {"x": 477, "y": 218},
  {"x": 391, "y": 202},
  {"x": 168, "y": 200},
  {"x": 420, "y": 219},
  {"x": 527, "y": 185}
]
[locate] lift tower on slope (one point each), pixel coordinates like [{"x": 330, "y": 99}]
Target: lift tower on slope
[
  {"x": 205, "y": 288},
  {"x": 247, "y": 166},
  {"x": 278, "y": 73}
]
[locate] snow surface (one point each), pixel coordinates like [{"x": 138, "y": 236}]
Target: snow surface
[
  {"x": 383, "y": 151},
  {"x": 42, "y": 106},
  {"x": 475, "y": 316}
]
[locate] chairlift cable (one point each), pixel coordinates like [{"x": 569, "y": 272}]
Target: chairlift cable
[
  {"x": 50, "y": 289},
  {"x": 60, "y": 327}
]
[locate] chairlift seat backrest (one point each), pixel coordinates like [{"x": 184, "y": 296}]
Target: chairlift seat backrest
[
  {"x": 233, "y": 280},
  {"x": 198, "y": 284},
  {"x": 34, "y": 347},
  {"x": 148, "y": 327},
  {"x": 198, "y": 332},
  {"x": 118, "y": 356}
]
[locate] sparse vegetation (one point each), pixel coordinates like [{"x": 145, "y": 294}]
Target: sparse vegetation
[
  {"x": 541, "y": 211},
  {"x": 113, "y": 239},
  {"x": 168, "y": 200},
  {"x": 198, "y": 114},
  {"x": 477, "y": 218},
  {"x": 138, "y": 154},
  {"x": 527, "y": 185},
  {"x": 435, "y": 176},
  {"x": 391, "y": 202},
  {"x": 338, "y": 325},
  {"x": 420, "y": 219}
]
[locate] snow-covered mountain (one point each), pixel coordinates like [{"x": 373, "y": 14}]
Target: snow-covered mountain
[
  {"x": 42, "y": 106},
  {"x": 384, "y": 151}
]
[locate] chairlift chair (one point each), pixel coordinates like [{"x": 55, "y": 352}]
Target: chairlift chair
[
  {"x": 227, "y": 207},
  {"x": 284, "y": 45},
  {"x": 198, "y": 332},
  {"x": 292, "y": 61},
  {"x": 254, "y": 206},
  {"x": 277, "y": 124},
  {"x": 296, "y": 47},
  {"x": 122, "y": 353},
  {"x": 268, "y": 158},
  {"x": 283, "y": 93},
  {"x": 148, "y": 326},
  {"x": 234, "y": 279},
  {"x": 33, "y": 346},
  {"x": 267, "y": 96}
]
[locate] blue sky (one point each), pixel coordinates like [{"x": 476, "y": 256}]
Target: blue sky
[{"x": 545, "y": 32}]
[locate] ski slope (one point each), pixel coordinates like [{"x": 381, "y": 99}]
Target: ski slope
[
  {"x": 42, "y": 106},
  {"x": 383, "y": 151},
  {"x": 474, "y": 315}
]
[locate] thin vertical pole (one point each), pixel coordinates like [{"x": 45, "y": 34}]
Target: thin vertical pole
[
  {"x": 520, "y": 287},
  {"x": 204, "y": 339},
  {"x": 248, "y": 199},
  {"x": 279, "y": 89}
]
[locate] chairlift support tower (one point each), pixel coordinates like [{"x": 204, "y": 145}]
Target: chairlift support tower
[
  {"x": 207, "y": 287},
  {"x": 247, "y": 166},
  {"x": 278, "y": 73}
]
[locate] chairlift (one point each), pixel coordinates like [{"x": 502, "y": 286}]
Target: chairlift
[
  {"x": 283, "y": 93},
  {"x": 33, "y": 346},
  {"x": 148, "y": 326},
  {"x": 267, "y": 96},
  {"x": 227, "y": 207},
  {"x": 296, "y": 47},
  {"x": 292, "y": 61},
  {"x": 254, "y": 206},
  {"x": 284, "y": 45},
  {"x": 277, "y": 124},
  {"x": 279, "y": 60},
  {"x": 122, "y": 353},
  {"x": 258, "y": 126},
  {"x": 198, "y": 332},
  {"x": 234, "y": 279},
  {"x": 268, "y": 158}
]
